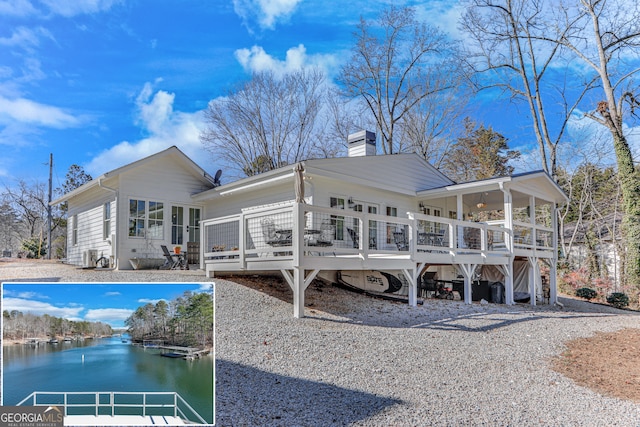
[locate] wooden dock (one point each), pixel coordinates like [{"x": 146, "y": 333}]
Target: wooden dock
[{"x": 175, "y": 351}]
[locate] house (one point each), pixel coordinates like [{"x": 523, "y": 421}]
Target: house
[
  {"x": 336, "y": 217},
  {"x": 591, "y": 244},
  {"x": 133, "y": 210}
]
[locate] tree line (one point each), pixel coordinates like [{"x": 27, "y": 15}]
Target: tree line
[
  {"x": 18, "y": 325},
  {"x": 186, "y": 321}
]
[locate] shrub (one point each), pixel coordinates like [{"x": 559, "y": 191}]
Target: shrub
[
  {"x": 618, "y": 300},
  {"x": 586, "y": 293}
]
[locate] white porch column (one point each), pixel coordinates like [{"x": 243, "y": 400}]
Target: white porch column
[
  {"x": 298, "y": 284},
  {"x": 534, "y": 278},
  {"x": 508, "y": 225},
  {"x": 508, "y": 283},
  {"x": 298, "y": 292},
  {"x": 467, "y": 272},
  {"x": 553, "y": 267},
  {"x": 412, "y": 277}
]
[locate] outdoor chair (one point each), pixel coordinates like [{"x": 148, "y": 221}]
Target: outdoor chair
[
  {"x": 170, "y": 262},
  {"x": 400, "y": 238},
  {"x": 271, "y": 235},
  {"x": 327, "y": 234},
  {"x": 354, "y": 237}
]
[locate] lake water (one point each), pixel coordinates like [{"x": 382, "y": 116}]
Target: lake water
[{"x": 109, "y": 365}]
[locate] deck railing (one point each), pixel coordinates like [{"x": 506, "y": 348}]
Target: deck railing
[
  {"x": 290, "y": 231},
  {"x": 117, "y": 403}
]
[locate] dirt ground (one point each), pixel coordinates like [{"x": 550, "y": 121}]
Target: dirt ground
[{"x": 608, "y": 363}]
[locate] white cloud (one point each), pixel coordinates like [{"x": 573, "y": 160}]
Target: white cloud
[
  {"x": 165, "y": 126},
  {"x": 107, "y": 315},
  {"x": 27, "y": 111},
  {"x": 444, "y": 15},
  {"x": 39, "y": 308},
  {"x": 205, "y": 287},
  {"x": 266, "y": 12},
  {"x": 25, "y": 37},
  {"x": 112, "y": 294},
  {"x": 16, "y": 8},
  {"x": 24, "y": 295},
  {"x": 79, "y": 7},
  {"x": 257, "y": 59}
]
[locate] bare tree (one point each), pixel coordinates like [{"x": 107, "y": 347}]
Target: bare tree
[
  {"x": 397, "y": 64},
  {"x": 433, "y": 124},
  {"x": 604, "y": 36},
  {"x": 523, "y": 41},
  {"x": 269, "y": 122},
  {"x": 511, "y": 47}
]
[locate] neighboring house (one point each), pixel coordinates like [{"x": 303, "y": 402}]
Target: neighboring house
[
  {"x": 603, "y": 255},
  {"x": 133, "y": 210},
  {"x": 339, "y": 216}
]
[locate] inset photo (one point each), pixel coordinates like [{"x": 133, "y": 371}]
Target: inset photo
[{"x": 107, "y": 354}]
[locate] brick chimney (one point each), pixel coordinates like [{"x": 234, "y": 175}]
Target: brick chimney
[{"x": 362, "y": 143}]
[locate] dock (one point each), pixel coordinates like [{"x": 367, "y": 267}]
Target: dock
[{"x": 188, "y": 353}]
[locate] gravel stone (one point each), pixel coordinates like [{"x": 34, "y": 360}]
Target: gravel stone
[{"x": 356, "y": 360}]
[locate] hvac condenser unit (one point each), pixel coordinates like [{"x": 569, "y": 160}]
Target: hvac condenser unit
[{"x": 89, "y": 258}]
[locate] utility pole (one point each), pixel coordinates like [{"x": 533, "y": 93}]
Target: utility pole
[{"x": 49, "y": 206}]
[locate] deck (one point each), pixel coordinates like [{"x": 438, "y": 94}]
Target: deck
[
  {"x": 300, "y": 240},
  {"x": 360, "y": 241},
  {"x": 118, "y": 408}
]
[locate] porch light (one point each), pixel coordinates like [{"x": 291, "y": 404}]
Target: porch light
[{"x": 481, "y": 204}]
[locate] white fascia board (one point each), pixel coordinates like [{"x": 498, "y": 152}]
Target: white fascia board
[
  {"x": 81, "y": 189},
  {"x": 465, "y": 188}
]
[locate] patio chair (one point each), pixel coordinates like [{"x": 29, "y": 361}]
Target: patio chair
[
  {"x": 271, "y": 235},
  {"x": 354, "y": 237},
  {"x": 327, "y": 234},
  {"x": 400, "y": 238},
  {"x": 170, "y": 262}
]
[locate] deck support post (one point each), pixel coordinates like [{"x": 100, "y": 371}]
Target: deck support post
[
  {"x": 467, "y": 271},
  {"x": 534, "y": 279},
  {"x": 298, "y": 284},
  {"x": 507, "y": 272},
  {"x": 413, "y": 286}
]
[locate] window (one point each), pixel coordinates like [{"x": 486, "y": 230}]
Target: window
[
  {"x": 391, "y": 228},
  {"x": 156, "y": 220},
  {"x": 146, "y": 219},
  {"x": 177, "y": 225},
  {"x": 137, "y": 214},
  {"x": 106, "y": 216},
  {"x": 194, "y": 225},
  {"x": 74, "y": 230},
  {"x": 336, "y": 220}
]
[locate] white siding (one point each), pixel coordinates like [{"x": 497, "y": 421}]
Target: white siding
[
  {"x": 161, "y": 180},
  {"x": 88, "y": 209}
]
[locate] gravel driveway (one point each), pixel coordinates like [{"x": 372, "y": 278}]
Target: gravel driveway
[{"x": 359, "y": 361}]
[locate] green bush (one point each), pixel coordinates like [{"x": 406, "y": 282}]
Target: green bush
[
  {"x": 618, "y": 300},
  {"x": 586, "y": 293}
]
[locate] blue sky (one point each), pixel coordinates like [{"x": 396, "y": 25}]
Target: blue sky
[
  {"x": 109, "y": 303},
  {"x": 102, "y": 83}
]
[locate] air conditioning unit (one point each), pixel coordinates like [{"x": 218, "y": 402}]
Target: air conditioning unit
[{"x": 89, "y": 258}]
